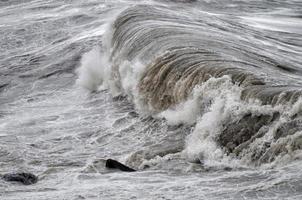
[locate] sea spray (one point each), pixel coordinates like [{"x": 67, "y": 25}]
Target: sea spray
[{"x": 91, "y": 73}]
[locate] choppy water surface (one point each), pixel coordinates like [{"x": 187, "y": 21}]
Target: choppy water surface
[{"x": 203, "y": 98}]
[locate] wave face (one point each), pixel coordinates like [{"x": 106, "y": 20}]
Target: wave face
[{"x": 213, "y": 72}]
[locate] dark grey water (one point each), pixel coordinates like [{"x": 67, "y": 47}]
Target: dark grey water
[{"x": 202, "y": 97}]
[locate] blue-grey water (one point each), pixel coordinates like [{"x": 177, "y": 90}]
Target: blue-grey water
[{"x": 202, "y": 97}]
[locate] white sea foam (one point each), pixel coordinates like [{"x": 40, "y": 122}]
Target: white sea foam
[
  {"x": 224, "y": 97},
  {"x": 217, "y": 103},
  {"x": 130, "y": 76},
  {"x": 92, "y": 71}
]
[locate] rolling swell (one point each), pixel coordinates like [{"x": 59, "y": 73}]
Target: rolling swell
[{"x": 248, "y": 111}]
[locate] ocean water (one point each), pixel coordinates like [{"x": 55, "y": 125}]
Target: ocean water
[{"x": 201, "y": 97}]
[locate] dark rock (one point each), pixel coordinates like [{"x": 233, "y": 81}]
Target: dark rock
[
  {"x": 24, "y": 178},
  {"x": 113, "y": 164}
]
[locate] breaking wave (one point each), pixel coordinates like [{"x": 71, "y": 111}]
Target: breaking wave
[{"x": 204, "y": 70}]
